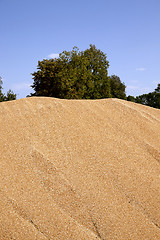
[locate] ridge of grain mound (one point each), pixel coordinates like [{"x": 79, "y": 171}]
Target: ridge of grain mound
[{"x": 79, "y": 169}]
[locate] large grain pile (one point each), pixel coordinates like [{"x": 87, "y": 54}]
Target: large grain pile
[{"x": 79, "y": 169}]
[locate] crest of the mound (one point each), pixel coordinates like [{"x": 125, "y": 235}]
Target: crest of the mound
[{"x": 79, "y": 169}]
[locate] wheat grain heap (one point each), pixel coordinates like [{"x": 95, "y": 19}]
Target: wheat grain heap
[{"x": 79, "y": 169}]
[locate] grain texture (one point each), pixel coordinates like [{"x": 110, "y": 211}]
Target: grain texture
[{"x": 79, "y": 169}]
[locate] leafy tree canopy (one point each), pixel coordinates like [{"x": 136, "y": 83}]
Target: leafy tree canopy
[
  {"x": 1, "y": 94},
  {"x": 75, "y": 74},
  {"x": 151, "y": 99},
  {"x": 10, "y": 95},
  {"x": 117, "y": 87},
  {"x": 157, "y": 90}
]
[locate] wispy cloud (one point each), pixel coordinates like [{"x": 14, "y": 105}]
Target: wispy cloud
[
  {"x": 132, "y": 87},
  {"x": 53, "y": 55},
  {"x": 134, "y": 81},
  {"x": 139, "y": 89},
  {"x": 146, "y": 89},
  {"x": 21, "y": 86},
  {"x": 141, "y": 69}
]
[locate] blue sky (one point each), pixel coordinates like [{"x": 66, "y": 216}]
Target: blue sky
[{"x": 128, "y": 31}]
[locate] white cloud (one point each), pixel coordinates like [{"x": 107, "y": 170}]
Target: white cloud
[
  {"x": 21, "y": 86},
  {"x": 146, "y": 89},
  {"x": 53, "y": 55},
  {"x": 141, "y": 69},
  {"x": 139, "y": 89},
  {"x": 134, "y": 81},
  {"x": 132, "y": 87}
]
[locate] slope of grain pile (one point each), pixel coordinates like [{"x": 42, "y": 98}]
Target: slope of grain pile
[{"x": 79, "y": 169}]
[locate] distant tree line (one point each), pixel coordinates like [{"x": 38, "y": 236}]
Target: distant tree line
[
  {"x": 151, "y": 99},
  {"x": 10, "y": 95},
  {"x": 80, "y": 75}
]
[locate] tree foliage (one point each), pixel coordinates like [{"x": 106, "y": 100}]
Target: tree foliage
[
  {"x": 1, "y": 94},
  {"x": 157, "y": 90},
  {"x": 117, "y": 87},
  {"x": 151, "y": 99},
  {"x": 10, "y": 94},
  {"x": 131, "y": 98},
  {"x": 74, "y": 75}
]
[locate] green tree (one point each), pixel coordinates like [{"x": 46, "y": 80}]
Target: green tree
[
  {"x": 131, "y": 98},
  {"x": 157, "y": 90},
  {"x": 10, "y": 95},
  {"x": 75, "y": 74},
  {"x": 151, "y": 99},
  {"x": 1, "y": 94},
  {"x": 99, "y": 82},
  {"x": 117, "y": 87}
]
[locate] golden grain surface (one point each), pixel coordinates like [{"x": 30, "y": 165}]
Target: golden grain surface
[{"x": 79, "y": 170}]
